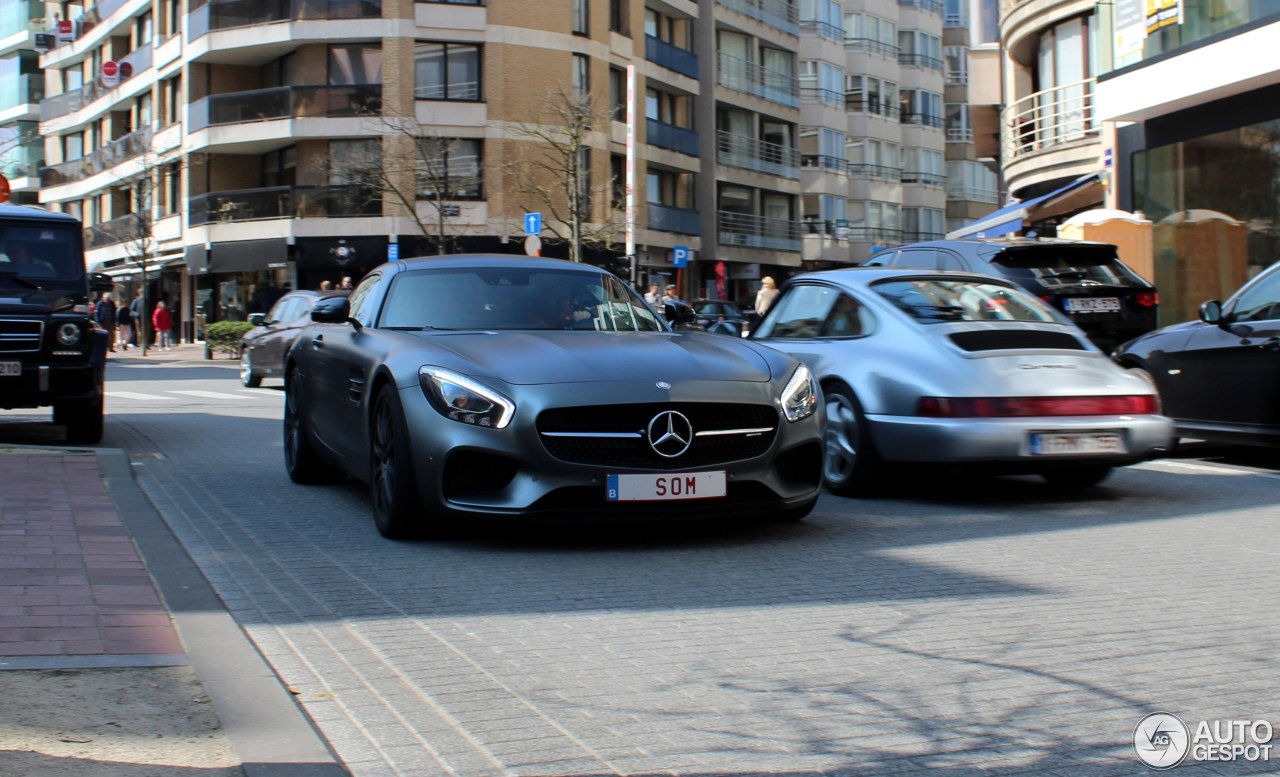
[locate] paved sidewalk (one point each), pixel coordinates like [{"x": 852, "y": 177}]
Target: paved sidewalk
[
  {"x": 92, "y": 578},
  {"x": 183, "y": 352}
]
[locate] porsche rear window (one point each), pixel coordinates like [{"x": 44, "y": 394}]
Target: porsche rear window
[{"x": 932, "y": 301}]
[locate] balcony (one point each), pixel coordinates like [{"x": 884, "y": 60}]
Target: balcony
[
  {"x": 285, "y": 102},
  {"x": 822, "y": 29},
  {"x": 923, "y": 178},
  {"x": 872, "y": 46},
  {"x": 121, "y": 230},
  {"x": 231, "y": 14},
  {"x": 928, "y": 6},
  {"x": 923, "y": 119},
  {"x": 742, "y": 229},
  {"x": 819, "y": 96},
  {"x": 666, "y": 218},
  {"x": 72, "y": 101},
  {"x": 778, "y": 14},
  {"x": 16, "y": 18},
  {"x": 741, "y": 75},
  {"x": 671, "y": 57},
  {"x": 23, "y": 160},
  {"x": 822, "y": 162},
  {"x": 1047, "y": 120},
  {"x": 284, "y": 202},
  {"x": 24, "y": 90},
  {"x": 752, "y": 154},
  {"x": 920, "y": 61},
  {"x": 671, "y": 137},
  {"x": 120, "y": 150}
]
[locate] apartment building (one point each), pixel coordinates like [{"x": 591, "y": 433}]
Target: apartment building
[
  {"x": 23, "y": 30},
  {"x": 228, "y": 150},
  {"x": 1195, "y": 95}
]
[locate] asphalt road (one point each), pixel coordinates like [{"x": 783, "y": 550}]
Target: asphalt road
[{"x": 958, "y": 626}]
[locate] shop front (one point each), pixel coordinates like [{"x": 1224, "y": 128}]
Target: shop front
[{"x": 233, "y": 279}]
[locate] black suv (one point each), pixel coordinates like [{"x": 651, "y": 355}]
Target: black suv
[
  {"x": 51, "y": 353},
  {"x": 1085, "y": 281}
]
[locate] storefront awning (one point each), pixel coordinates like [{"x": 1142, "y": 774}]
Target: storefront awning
[{"x": 1085, "y": 190}]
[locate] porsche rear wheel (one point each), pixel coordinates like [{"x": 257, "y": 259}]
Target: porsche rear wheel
[
  {"x": 397, "y": 507},
  {"x": 300, "y": 458},
  {"x": 850, "y": 465}
]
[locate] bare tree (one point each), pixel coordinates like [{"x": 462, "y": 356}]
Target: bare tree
[
  {"x": 553, "y": 170},
  {"x": 418, "y": 165}
]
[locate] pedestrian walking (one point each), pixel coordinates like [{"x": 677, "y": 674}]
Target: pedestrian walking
[
  {"x": 139, "y": 316},
  {"x": 105, "y": 314},
  {"x": 766, "y": 295},
  {"x": 162, "y": 322},
  {"x": 124, "y": 327}
]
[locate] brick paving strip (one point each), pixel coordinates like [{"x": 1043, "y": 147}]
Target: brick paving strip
[{"x": 73, "y": 589}]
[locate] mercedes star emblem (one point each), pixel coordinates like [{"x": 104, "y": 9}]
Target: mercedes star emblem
[{"x": 670, "y": 434}]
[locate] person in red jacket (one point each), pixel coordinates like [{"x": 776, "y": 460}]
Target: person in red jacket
[{"x": 162, "y": 322}]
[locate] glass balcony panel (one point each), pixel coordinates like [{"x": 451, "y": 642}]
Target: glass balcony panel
[
  {"x": 741, "y": 75},
  {"x": 120, "y": 230},
  {"x": 231, "y": 14},
  {"x": 114, "y": 153},
  {"x": 752, "y": 154},
  {"x": 74, "y": 100},
  {"x": 285, "y": 202},
  {"x": 671, "y": 57},
  {"x": 667, "y": 218},
  {"x": 669, "y": 136},
  {"x": 27, "y": 89},
  {"x": 779, "y": 14},
  {"x": 742, "y": 229},
  {"x": 286, "y": 102}
]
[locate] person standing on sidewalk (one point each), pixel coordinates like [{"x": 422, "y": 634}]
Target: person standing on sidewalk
[
  {"x": 139, "y": 316},
  {"x": 105, "y": 314},
  {"x": 162, "y": 322},
  {"x": 124, "y": 327}
]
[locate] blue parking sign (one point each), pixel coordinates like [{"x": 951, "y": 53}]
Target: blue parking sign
[{"x": 680, "y": 256}]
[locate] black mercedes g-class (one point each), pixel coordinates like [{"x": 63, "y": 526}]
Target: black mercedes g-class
[{"x": 51, "y": 353}]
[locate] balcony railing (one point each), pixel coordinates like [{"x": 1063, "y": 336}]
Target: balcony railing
[
  {"x": 920, "y": 61},
  {"x": 873, "y": 106},
  {"x": 669, "y": 136},
  {"x": 671, "y": 57},
  {"x": 813, "y": 94},
  {"x": 779, "y": 14},
  {"x": 752, "y": 154},
  {"x": 822, "y": 29},
  {"x": 741, "y": 229},
  {"x": 1048, "y": 119},
  {"x": 68, "y": 102},
  {"x": 924, "y": 119},
  {"x": 923, "y": 178},
  {"x": 875, "y": 172},
  {"x": 971, "y": 194},
  {"x": 960, "y": 19},
  {"x": 23, "y": 160},
  {"x": 16, "y": 17},
  {"x": 842, "y": 230},
  {"x": 114, "y": 153},
  {"x": 230, "y": 14},
  {"x": 285, "y": 102},
  {"x": 928, "y": 6},
  {"x": 119, "y": 230},
  {"x": 831, "y": 164},
  {"x": 957, "y": 78},
  {"x": 26, "y": 89},
  {"x": 666, "y": 218},
  {"x": 959, "y": 135},
  {"x": 872, "y": 46},
  {"x": 285, "y": 202},
  {"x": 744, "y": 76}
]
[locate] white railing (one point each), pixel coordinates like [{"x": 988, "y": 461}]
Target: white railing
[{"x": 1047, "y": 119}]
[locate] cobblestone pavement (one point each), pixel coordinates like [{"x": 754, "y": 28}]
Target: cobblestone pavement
[{"x": 958, "y": 627}]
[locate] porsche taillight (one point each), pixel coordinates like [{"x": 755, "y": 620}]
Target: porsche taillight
[{"x": 1020, "y": 407}]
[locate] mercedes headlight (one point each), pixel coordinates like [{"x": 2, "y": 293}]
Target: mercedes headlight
[
  {"x": 800, "y": 398},
  {"x": 465, "y": 400},
  {"x": 68, "y": 335}
]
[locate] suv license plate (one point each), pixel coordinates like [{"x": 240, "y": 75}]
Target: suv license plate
[
  {"x": 649, "y": 488},
  {"x": 1093, "y": 304},
  {"x": 1058, "y": 443},
  {"x": 10, "y": 368}
]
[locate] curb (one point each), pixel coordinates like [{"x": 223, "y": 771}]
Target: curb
[{"x": 266, "y": 726}]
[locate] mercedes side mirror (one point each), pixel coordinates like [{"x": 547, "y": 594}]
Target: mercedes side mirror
[
  {"x": 331, "y": 310},
  {"x": 1211, "y": 313}
]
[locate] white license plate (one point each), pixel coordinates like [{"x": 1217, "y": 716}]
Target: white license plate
[
  {"x": 649, "y": 488},
  {"x": 10, "y": 368},
  {"x": 1058, "y": 443},
  {"x": 1093, "y": 304}
]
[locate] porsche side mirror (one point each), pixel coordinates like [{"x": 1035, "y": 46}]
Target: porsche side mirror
[{"x": 1211, "y": 313}]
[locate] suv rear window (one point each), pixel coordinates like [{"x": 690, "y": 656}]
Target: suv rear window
[{"x": 1060, "y": 265}]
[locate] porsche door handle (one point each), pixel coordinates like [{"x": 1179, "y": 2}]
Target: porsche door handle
[{"x": 317, "y": 341}]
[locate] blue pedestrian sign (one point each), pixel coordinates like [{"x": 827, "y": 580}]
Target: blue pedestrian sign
[
  {"x": 393, "y": 252},
  {"x": 532, "y": 223},
  {"x": 680, "y": 256}
]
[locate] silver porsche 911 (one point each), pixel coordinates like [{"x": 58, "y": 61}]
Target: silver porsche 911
[
  {"x": 924, "y": 366},
  {"x": 515, "y": 387}
]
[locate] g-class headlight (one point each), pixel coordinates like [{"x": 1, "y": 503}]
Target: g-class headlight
[
  {"x": 462, "y": 399},
  {"x": 800, "y": 398},
  {"x": 68, "y": 335}
]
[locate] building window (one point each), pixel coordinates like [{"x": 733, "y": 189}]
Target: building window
[
  {"x": 581, "y": 76},
  {"x": 170, "y": 100},
  {"x": 957, "y": 64},
  {"x": 352, "y": 64},
  {"x": 446, "y": 71},
  {"x": 922, "y": 224},
  {"x": 865, "y": 94},
  {"x": 580, "y": 18},
  {"x": 619, "y": 12},
  {"x": 350, "y": 161},
  {"x": 871, "y": 33},
  {"x": 923, "y": 166},
  {"x": 917, "y": 106},
  {"x": 280, "y": 167},
  {"x": 618, "y": 94},
  {"x": 959, "y": 128},
  {"x": 820, "y": 82},
  {"x": 171, "y": 189},
  {"x": 451, "y": 169}
]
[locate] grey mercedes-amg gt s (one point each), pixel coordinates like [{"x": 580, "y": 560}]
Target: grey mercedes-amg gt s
[{"x": 476, "y": 385}]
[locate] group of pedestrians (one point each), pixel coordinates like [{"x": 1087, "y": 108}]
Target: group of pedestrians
[{"x": 121, "y": 322}]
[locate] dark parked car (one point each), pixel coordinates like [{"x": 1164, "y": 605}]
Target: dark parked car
[
  {"x": 1219, "y": 377},
  {"x": 511, "y": 387},
  {"x": 720, "y": 316},
  {"x": 1085, "y": 281},
  {"x": 262, "y": 349}
]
